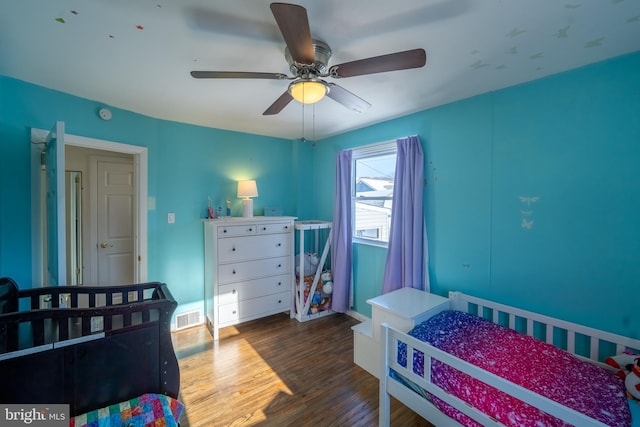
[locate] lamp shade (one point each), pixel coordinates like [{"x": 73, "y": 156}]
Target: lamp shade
[
  {"x": 308, "y": 91},
  {"x": 247, "y": 189}
]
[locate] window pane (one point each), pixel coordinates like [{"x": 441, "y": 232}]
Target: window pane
[{"x": 373, "y": 191}]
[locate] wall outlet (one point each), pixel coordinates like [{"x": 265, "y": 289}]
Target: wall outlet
[{"x": 171, "y": 217}]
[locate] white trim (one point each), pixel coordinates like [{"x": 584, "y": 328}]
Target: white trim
[
  {"x": 357, "y": 316},
  {"x": 379, "y": 149},
  {"x": 375, "y": 149}
]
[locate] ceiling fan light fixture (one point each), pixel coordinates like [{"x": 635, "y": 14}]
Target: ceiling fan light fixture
[{"x": 308, "y": 91}]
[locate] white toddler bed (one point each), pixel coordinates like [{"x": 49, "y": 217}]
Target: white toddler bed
[{"x": 417, "y": 390}]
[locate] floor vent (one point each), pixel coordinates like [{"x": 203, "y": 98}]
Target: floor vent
[{"x": 185, "y": 320}]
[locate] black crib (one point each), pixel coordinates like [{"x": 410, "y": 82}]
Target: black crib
[{"x": 86, "y": 346}]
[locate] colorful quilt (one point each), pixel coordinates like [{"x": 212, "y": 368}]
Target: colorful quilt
[
  {"x": 148, "y": 410},
  {"x": 521, "y": 359}
]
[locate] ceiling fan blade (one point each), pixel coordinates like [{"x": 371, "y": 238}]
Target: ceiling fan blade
[
  {"x": 236, "y": 75},
  {"x": 280, "y": 103},
  {"x": 294, "y": 26},
  {"x": 415, "y": 58},
  {"x": 348, "y": 99}
]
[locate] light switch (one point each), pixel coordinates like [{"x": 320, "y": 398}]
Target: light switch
[{"x": 171, "y": 217}]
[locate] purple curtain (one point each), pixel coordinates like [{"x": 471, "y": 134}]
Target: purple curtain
[
  {"x": 341, "y": 235},
  {"x": 405, "y": 266}
]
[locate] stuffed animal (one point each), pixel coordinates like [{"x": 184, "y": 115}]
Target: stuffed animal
[
  {"x": 310, "y": 264},
  {"x": 327, "y": 282},
  {"x": 316, "y": 299},
  {"x": 623, "y": 362},
  {"x": 632, "y": 381}
]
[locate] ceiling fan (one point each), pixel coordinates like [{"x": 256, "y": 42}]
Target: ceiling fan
[{"x": 308, "y": 62}]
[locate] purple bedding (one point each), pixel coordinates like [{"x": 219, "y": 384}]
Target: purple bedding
[{"x": 533, "y": 364}]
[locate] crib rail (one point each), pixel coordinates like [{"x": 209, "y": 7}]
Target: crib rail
[
  {"x": 54, "y": 314},
  {"x": 582, "y": 341}
]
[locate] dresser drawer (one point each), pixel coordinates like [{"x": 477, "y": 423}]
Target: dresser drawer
[
  {"x": 253, "y": 247},
  {"x": 234, "y": 292},
  {"x": 237, "y": 230},
  {"x": 276, "y": 227},
  {"x": 253, "y": 308},
  {"x": 241, "y": 271}
]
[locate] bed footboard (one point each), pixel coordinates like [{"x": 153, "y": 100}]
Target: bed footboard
[{"x": 87, "y": 346}]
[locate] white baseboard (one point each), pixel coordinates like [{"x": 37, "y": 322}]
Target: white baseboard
[{"x": 357, "y": 316}]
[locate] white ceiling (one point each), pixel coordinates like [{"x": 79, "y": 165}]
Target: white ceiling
[{"x": 137, "y": 55}]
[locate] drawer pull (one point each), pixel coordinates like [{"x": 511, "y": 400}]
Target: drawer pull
[
  {"x": 233, "y": 291},
  {"x": 233, "y": 249},
  {"x": 279, "y": 301},
  {"x": 279, "y": 244},
  {"x": 224, "y": 231},
  {"x": 286, "y": 227},
  {"x": 279, "y": 283},
  {"x": 264, "y": 228},
  {"x": 279, "y": 265},
  {"x": 251, "y": 229},
  {"x": 234, "y": 312},
  {"x": 234, "y": 271}
]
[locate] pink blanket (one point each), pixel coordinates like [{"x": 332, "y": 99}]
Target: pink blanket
[{"x": 528, "y": 362}]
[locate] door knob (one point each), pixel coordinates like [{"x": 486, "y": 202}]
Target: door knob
[{"x": 105, "y": 245}]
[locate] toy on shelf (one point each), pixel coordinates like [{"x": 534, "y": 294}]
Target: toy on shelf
[
  {"x": 327, "y": 282},
  {"x": 310, "y": 264},
  {"x": 210, "y": 213},
  {"x": 312, "y": 294},
  {"x": 320, "y": 299}
]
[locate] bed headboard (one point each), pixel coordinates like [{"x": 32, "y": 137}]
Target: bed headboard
[{"x": 583, "y": 341}]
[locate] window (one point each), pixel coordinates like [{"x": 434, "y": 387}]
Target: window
[{"x": 372, "y": 192}]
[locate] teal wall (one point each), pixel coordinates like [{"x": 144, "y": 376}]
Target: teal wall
[
  {"x": 573, "y": 142},
  {"x": 187, "y": 164}
]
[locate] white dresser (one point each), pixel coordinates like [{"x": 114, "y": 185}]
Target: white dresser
[
  {"x": 401, "y": 309},
  {"x": 249, "y": 270}
]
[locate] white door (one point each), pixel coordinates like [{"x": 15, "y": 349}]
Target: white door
[{"x": 115, "y": 222}]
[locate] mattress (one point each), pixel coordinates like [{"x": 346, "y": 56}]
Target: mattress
[{"x": 521, "y": 359}]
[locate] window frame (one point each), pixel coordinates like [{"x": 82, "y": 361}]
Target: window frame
[{"x": 366, "y": 152}]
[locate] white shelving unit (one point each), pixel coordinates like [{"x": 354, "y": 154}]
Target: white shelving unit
[{"x": 301, "y": 307}]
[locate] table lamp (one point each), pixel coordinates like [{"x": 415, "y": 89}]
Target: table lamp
[{"x": 246, "y": 190}]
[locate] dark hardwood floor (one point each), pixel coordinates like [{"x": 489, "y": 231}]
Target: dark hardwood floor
[{"x": 277, "y": 371}]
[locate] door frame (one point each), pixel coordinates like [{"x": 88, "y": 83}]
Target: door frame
[{"x": 140, "y": 168}]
